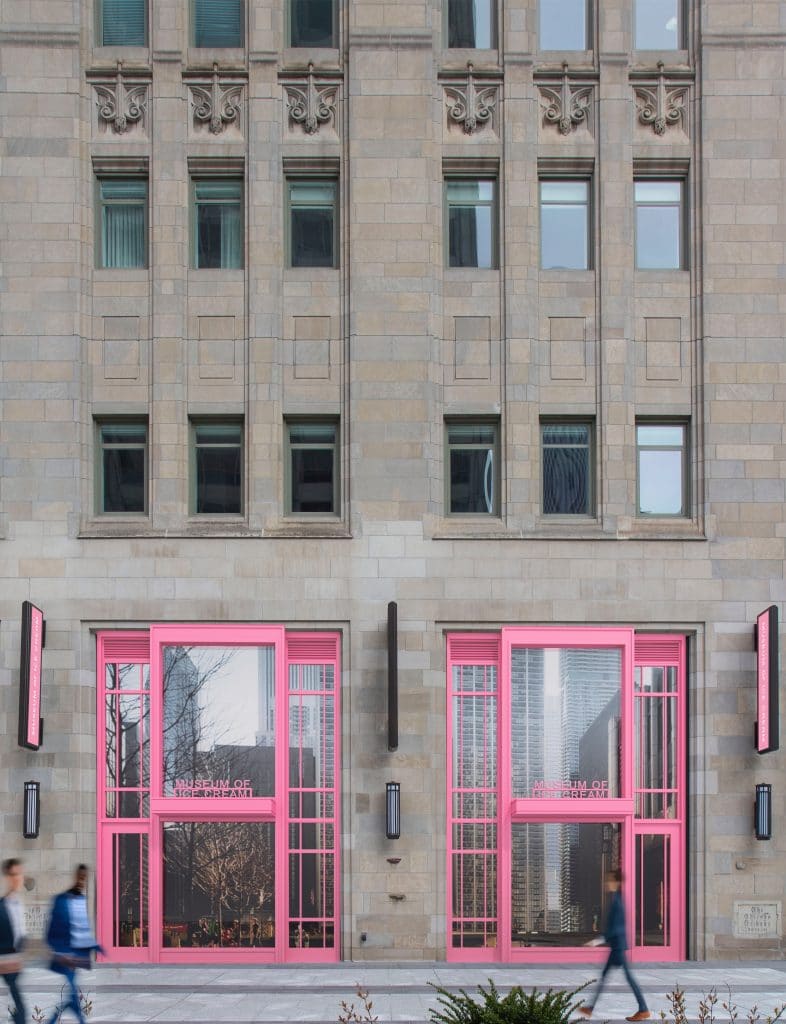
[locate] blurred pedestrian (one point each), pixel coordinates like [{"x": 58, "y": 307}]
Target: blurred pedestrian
[
  {"x": 616, "y": 938},
  {"x": 12, "y": 934},
  {"x": 71, "y": 939}
]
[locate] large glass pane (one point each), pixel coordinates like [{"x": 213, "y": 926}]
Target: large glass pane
[
  {"x": 564, "y": 229},
  {"x": 658, "y": 224},
  {"x": 311, "y": 900},
  {"x": 566, "y": 469},
  {"x": 124, "y": 480},
  {"x": 471, "y": 24},
  {"x": 311, "y": 23},
  {"x": 660, "y": 483},
  {"x": 218, "y": 23},
  {"x": 219, "y": 884},
  {"x": 565, "y": 722},
  {"x": 219, "y": 468},
  {"x": 474, "y": 899},
  {"x": 653, "y": 921},
  {"x": 130, "y": 890},
  {"x": 219, "y": 713},
  {"x": 312, "y": 223},
  {"x": 657, "y": 25},
  {"x": 474, "y": 742},
  {"x": 123, "y": 22},
  {"x": 312, "y": 480},
  {"x": 656, "y": 756},
  {"x": 557, "y": 881},
  {"x": 311, "y": 751},
  {"x": 563, "y": 24}
]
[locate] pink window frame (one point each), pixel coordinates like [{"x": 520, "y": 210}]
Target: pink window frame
[
  {"x": 143, "y": 647},
  {"x": 475, "y": 649}
]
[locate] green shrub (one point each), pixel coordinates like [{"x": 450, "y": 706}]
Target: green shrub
[{"x": 517, "y": 1007}]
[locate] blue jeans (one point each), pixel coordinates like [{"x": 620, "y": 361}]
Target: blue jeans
[
  {"x": 19, "y": 1013},
  {"x": 617, "y": 958},
  {"x": 72, "y": 1002}
]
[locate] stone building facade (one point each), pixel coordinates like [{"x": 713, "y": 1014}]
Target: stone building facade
[{"x": 395, "y": 348}]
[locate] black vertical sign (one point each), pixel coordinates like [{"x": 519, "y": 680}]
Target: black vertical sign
[
  {"x": 33, "y": 639},
  {"x": 392, "y": 676},
  {"x": 767, "y": 681}
]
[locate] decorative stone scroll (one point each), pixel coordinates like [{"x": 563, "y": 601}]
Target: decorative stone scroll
[
  {"x": 470, "y": 106},
  {"x": 311, "y": 105},
  {"x": 120, "y": 106},
  {"x": 216, "y": 105},
  {"x": 566, "y": 106},
  {"x": 661, "y": 105}
]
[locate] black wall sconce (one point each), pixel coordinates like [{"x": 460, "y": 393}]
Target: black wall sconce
[
  {"x": 393, "y": 810},
  {"x": 32, "y": 810},
  {"x": 763, "y": 812}
]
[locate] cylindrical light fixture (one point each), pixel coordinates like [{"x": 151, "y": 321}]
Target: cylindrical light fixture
[
  {"x": 32, "y": 810},
  {"x": 763, "y": 812},
  {"x": 393, "y": 810}
]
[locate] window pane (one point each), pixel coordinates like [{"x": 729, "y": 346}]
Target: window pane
[
  {"x": 471, "y": 24},
  {"x": 660, "y": 483},
  {"x": 565, "y": 722},
  {"x": 660, "y": 435},
  {"x": 658, "y": 191},
  {"x": 219, "y": 884},
  {"x": 218, "y": 433},
  {"x": 218, "y": 23},
  {"x": 558, "y": 870},
  {"x": 657, "y": 25},
  {"x": 653, "y": 923},
  {"x": 472, "y": 481},
  {"x": 563, "y": 191},
  {"x": 123, "y": 22},
  {"x": 218, "y": 715},
  {"x": 658, "y": 238},
  {"x": 471, "y": 433},
  {"x": 124, "y": 433},
  {"x": 470, "y": 238},
  {"x": 312, "y": 433},
  {"x": 219, "y": 235},
  {"x": 123, "y": 480},
  {"x": 563, "y": 24},
  {"x": 563, "y": 236},
  {"x": 311, "y": 194},
  {"x": 311, "y": 23},
  {"x": 218, "y": 480},
  {"x": 566, "y": 469},
  {"x": 312, "y": 480},
  {"x": 130, "y": 895},
  {"x": 312, "y": 237},
  {"x": 461, "y": 192}
]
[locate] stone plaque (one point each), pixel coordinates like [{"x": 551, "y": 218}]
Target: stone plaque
[
  {"x": 36, "y": 915},
  {"x": 756, "y": 920}
]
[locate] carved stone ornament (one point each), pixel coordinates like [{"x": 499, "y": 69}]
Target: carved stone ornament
[
  {"x": 311, "y": 105},
  {"x": 566, "y": 106},
  {"x": 470, "y": 107},
  {"x": 118, "y": 105},
  {"x": 215, "y": 105},
  {"x": 661, "y": 105}
]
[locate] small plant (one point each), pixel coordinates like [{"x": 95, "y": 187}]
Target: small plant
[
  {"x": 707, "y": 1012},
  {"x": 517, "y": 1007},
  {"x": 38, "y": 1015},
  {"x": 351, "y": 1014}
]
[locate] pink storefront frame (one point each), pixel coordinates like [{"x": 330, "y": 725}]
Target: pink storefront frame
[
  {"x": 292, "y": 649},
  {"x": 492, "y": 652}
]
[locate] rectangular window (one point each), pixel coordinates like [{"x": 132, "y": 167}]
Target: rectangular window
[
  {"x": 217, "y": 23},
  {"x": 122, "y": 469},
  {"x": 122, "y": 22},
  {"x": 658, "y": 25},
  {"x": 218, "y": 228},
  {"x": 473, "y": 456},
  {"x": 661, "y": 456},
  {"x": 471, "y": 24},
  {"x": 217, "y": 452},
  {"x": 564, "y": 225},
  {"x": 312, "y": 23},
  {"x": 563, "y": 25},
  {"x": 567, "y": 469},
  {"x": 472, "y": 228},
  {"x": 659, "y": 225},
  {"x": 312, "y": 466},
  {"x": 122, "y": 223},
  {"x": 313, "y": 223}
]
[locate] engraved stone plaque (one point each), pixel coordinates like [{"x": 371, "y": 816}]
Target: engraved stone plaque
[{"x": 755, "y": 919}]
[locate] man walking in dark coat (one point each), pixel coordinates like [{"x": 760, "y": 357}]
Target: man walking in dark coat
[
  {"x": 616, "y": 938},
  {"x": 12, "y": 935},
  {"x": 70, "y": 937}
]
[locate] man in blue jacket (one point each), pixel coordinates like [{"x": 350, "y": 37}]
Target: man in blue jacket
[
  {"x": 616, "y": 938},
  {"x": 70, "y": 937},
  {"x": 12, "y": 934}
]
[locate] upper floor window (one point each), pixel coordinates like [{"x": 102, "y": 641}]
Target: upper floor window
[
  {"x": 122, "y": 229},
  {"x": 563, "y": 25},
  {"x": 217, "y": 23},
  {"x": 471, "y": 24},
  {"x": 122, "y": 22},
  {"x": 313, "y": 222},
  {"x": 472, "y": 222},
  {"x": 312, "y": 468},
  {"x": 473, "y": 455},
  {"x": 218, "y": 223},
  {"x": 217, "y": 464},
  {"x": 312, "y": 23},
  {"x": 122, "y": 467},
  {"x": 567, "y": 468},
  {"x": 660, "y": 224},
  {"x": 661, "y": 455},
  {"x": 658, "y": 25},
  {"x": 564, "y": 225}
]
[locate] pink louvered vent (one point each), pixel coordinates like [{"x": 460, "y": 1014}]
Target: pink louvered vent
[
  {"x": 127, "y": 647},
  {"x": 479, "y": 650},
  {"x": 658, "y": 649},
  {"x": 312, "y": 647}
]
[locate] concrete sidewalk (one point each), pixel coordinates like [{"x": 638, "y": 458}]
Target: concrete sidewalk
[{"x": 400, "y": 992}]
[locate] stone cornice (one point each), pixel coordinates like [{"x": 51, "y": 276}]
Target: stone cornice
[{"x": 24, "y": 35}]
